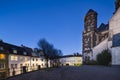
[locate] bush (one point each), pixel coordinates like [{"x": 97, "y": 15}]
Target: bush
[
  {"x": 77, "y": 64},
  {"x": 104, "y": 58}
]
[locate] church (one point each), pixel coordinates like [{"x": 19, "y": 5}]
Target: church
[{"x": 107, "y": 36}]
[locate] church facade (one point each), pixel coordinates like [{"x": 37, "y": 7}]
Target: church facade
[{"x": 106, "y": 36}]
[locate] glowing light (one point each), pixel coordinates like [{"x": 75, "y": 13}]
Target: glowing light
[{"x": 2, "y": 56}]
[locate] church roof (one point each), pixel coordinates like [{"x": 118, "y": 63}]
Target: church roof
[
  {"x": 103, "y": 27},
  {"x": 91, "y": 10}
]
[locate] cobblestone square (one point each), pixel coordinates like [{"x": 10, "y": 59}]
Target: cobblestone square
[{"x": 73, "y": 73}]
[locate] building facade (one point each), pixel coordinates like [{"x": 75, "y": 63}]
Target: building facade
[
  {"x": 105, "y": 37},
  {"x": 71, "y": 60},
  {"x": 15, "y": 60},
  {"x": 92, "y": 35}
]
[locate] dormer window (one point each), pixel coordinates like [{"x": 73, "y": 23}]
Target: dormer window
[
  {"x": 25, "y": 53},
  {"x": 15, "y": 51},
  {"x": 1, "y": 48}
]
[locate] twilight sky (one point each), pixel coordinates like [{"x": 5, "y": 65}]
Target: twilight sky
[{"x": 60, "y": 22}]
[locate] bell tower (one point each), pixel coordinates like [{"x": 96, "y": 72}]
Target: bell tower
[
  {"x": 90, "y": 21},
  {"x": 117, "y": 4},
  {"x": 89, "y": 37}
]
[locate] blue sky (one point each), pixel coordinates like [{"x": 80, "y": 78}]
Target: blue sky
[{"x": 59, "y": 21}]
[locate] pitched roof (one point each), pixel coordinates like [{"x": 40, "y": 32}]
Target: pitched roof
[
  {"x": 91, "y": 10},
  {"x": 70, "y": 56},
  {"x": 20, "y": 50},
  {"x": 103, "y": 27}
]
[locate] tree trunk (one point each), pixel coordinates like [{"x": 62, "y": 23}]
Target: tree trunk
[{"x": 47, "y": 63}]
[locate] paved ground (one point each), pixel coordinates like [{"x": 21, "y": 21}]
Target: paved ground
[{"x": 73, "y": 73}]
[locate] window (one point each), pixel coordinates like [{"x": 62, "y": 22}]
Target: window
[
  {"x": 15, "y": 65},
  {"x": 12, "y": 65},
  {"x": 33, "y": 59},
  {"x": 33, "y": 65},
  {"x": 21, "y": 65},
  {"x": 21, "y": 58},
  {"x": 36, "y": 64},
  {"x": 2, "y": 66},
  {"x": 36, "y": 59},
  {"x": 26, "y": 58},
  {"x": 1, "y": 48},
  {"x": 14, "y": 58},
  {"x": 2, "y": 56},
  {"x": 25, "y": 53},
  {"x": 14, "y": 51},
  {"x": 42, "y": 64}
]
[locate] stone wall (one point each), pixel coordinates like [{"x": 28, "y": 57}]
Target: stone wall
[
  {"x": 116, "y": 55},
  {"x": 99, "y": 48}
]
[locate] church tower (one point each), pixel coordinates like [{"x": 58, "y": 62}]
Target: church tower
[
  {"x": 90, "y": 21},
  {"x": 117, "y": 4},
  {"x": 89, "y": 37}
]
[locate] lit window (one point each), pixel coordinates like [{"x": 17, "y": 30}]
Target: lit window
[
  {"x": 15, "y": 51},
  {"x": 2, "y": 56},
  {"x": 21, "y": 58},
  {"x": 26, "y": 58},
  {"x": 2, "y": 66},
  {"x": 14, "y": 58}
]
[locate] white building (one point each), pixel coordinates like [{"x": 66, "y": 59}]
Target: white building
[
  {"x": 18, "y": 59},
  {"x": 71, "y": 60},
  {"x": 113, "y": 41}
]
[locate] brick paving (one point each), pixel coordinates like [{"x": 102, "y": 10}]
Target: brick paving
[{"x": 73, "y": 73}]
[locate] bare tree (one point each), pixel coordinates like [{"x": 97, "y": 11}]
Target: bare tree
[{"x": 48, "y": 49}]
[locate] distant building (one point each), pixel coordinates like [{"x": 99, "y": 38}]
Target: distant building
[
  {"x": 107, "y": 36},
  {"x": 70, "y": 60}
]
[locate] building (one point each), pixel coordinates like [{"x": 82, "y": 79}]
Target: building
[
  {"x": 15, "y": 60},
  {"x": 106, "y": 36},
  {"x": 71, "y": 60},
  {"x": 92, "y": 35}
]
